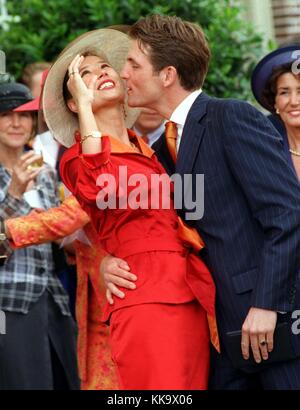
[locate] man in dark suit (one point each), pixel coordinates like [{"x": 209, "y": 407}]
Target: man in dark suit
[{"x": 251, "y": 221}]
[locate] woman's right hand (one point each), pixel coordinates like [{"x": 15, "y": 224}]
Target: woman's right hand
[
  {"x": 82, "y": 93},
  {"x": 23, "y": 174}
]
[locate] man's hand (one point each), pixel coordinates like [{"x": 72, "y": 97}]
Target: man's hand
[
  {"x": 257, "y": 332},
  {"x": 116, "y": 272}
]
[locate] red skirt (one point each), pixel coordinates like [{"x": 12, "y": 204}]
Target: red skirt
[{"x": 158, "y": 346}]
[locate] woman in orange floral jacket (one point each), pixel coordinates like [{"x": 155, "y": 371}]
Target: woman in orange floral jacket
[{"x": 96, "y": 368}]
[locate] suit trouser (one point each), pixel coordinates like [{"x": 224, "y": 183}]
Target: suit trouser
[
  {"x": 38, "y": 350},
  {"x": 277, "y": 376},
  {"x": 161, "y": 346}
]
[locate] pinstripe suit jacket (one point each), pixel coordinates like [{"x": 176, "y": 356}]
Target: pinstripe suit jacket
[{"x": 251, "y": 221}]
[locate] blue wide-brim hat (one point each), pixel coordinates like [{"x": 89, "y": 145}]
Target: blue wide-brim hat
[
  {"x": 12, "y": 95},
  {"x": 265, "y": 67}
]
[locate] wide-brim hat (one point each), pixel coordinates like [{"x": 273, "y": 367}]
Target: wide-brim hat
[
  {"x": 33, "y": 105},
  {"x": 61, "y": 121},
  {"x": 265, "y": 67},
  {"x": 12, "y": 95}
]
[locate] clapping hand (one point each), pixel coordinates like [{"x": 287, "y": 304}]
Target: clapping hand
[{"x": 23, "y": 173}]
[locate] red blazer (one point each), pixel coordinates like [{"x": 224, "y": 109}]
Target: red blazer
[{"x": 148, "y": 238}]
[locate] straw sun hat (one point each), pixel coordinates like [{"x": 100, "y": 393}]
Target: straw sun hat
[{"x": 60, "y": 120}]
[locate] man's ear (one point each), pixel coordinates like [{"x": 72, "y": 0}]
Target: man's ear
[
  {"x": 72, "y": 105},
  {"x": 168, "y": 75}
]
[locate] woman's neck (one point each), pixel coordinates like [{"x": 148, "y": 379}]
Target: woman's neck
[
  {"x": 294, "y": 138},
  {"x": 111, "y": 121},
  {"x": 294, "y": 145},
  {"x": 9, "y": 156}
]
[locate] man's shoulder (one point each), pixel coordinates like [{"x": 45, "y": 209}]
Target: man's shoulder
[
  {"x": 230, "y": 103},
  {"x": 221, "y": 106},
  {"x": 231, "y": 109}
]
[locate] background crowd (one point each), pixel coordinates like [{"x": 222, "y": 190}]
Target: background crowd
[{"x": 50, "y": 258}]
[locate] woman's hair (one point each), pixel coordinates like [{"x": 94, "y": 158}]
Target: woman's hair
[
  {"x": 89, "y": 52},
  {"x": 270, "y": 91},
  {"x": 171, "y": 41},
  {"x": 34, "y": 131}
]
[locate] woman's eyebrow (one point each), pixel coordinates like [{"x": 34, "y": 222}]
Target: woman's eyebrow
[{"x": 89, "y": 65}]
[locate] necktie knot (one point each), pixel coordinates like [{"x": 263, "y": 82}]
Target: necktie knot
[
  {"x": 171, "y": 130},
  {"x": 171, "y": 136}
]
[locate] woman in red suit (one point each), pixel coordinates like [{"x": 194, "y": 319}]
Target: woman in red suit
[{"x": 160, "y": 331}]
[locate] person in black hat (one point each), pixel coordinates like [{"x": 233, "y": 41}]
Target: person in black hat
[
  {"x": 12, "y": 95},
  {"x": 276, "y": 86},
  {"x": 38, "y": 350}
]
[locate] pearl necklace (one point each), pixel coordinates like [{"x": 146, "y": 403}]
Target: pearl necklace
[{"x": 293, "y": 152}]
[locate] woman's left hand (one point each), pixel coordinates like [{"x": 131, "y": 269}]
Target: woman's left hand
[{"x": 82, "y": 93}]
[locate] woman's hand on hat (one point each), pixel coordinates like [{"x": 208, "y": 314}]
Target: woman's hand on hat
[
  {"x": 83, "y": 93},
  {"x": 23, "y": 173}
]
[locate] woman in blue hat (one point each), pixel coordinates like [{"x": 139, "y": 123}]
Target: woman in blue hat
[{"x": 276, "y": 86}]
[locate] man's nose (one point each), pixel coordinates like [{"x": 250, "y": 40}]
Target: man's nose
[{"x": 123, "y": 73}]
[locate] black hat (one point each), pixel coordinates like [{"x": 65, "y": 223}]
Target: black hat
[{"x": 12, "y": 95}]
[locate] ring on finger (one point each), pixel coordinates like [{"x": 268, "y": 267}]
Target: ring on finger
[{"x": 263, "y": 343}]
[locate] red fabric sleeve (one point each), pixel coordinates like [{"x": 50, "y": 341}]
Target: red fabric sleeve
[{"x": 80, "y": 172}]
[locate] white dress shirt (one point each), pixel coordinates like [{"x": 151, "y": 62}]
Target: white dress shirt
[
  {"x": 46, "y": 145},
  {"x": 154, "y": 135},
  {"x": 180, "y": 113}
]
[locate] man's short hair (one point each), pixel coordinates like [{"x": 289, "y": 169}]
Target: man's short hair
[{"x": 171, "y": 41}]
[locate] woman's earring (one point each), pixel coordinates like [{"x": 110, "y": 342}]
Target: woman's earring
[{"x": 277, "y": 111}]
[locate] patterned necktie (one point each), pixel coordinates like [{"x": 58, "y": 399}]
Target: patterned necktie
[
  {"x": 171, "y": 137},
  {"x": 201, "y": 284}
]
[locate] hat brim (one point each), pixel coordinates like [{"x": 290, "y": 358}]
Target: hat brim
[
  {"x": 33, "y": 105},
  {"x": 61, "y": 121},
  {"x": 265, "y": 67}
]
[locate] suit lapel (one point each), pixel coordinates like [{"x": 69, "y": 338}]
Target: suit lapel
[
  {"x": 162, "y": 152},
  {"x": 192, "y": 135}
]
